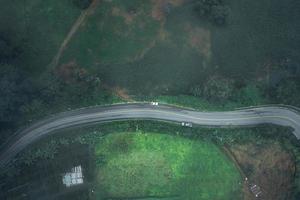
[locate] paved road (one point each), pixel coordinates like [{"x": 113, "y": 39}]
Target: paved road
[{"x": 247, "y": 117}]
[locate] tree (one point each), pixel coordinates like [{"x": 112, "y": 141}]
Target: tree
[
  {"x": 15, "y": 91},
  {"x": 249, "y": 95},
  {"x": 218, "y": 88},
  {"x": 196, "y": 91},
  {"x": 287, "y": 92},
  {"x": 8, "y": 49},
  {"x": 219, "y": 14},
  {"x": 79, "y": 88},
  {"x": 213, "y": 10},
  {"x": 82, "y": 4}
]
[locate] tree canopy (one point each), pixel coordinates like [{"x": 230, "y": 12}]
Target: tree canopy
[
  {"x": 287, "y": 92},
  {"x": 15, "y": 91},
  {"x": 82, "y": 4},
  {"x": 9, "y": 50},
  {"x": 216, "y": 88},
  {"x": 213, "y": 10}
]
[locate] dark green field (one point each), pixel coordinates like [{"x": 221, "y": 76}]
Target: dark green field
[{"x": 145, "y": 55}]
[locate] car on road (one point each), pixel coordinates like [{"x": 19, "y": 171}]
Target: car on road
[
  {"x": 153, "y": 103},
  {"x": 186, "y": 124}
]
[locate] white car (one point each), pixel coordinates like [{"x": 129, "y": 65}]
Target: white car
[
  {"x": 187, "y": 124},
  {"x": 153, "y": 103}
]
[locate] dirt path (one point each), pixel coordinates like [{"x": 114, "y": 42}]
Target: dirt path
[
  {"x": 81, "y": 19},
  {"x": 246, "y": 190}
]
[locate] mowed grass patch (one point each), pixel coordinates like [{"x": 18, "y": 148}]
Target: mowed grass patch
[
  {"x": 40, "y": 25},
  {"x": 157, "y": 165},
  {"x": 117, "y": 32}
]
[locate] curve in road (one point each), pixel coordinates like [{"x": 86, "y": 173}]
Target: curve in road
[{"x": 247, "y": 117}]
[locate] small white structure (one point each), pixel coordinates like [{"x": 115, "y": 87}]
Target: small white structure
[
  {"x": 255, "y": 190},
  {"x": 74, "y": 177}
]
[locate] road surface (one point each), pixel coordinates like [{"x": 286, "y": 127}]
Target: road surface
[{"x": 247, "y": 117}]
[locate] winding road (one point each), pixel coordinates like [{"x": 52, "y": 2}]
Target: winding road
[{"x": 247, "y": 117}]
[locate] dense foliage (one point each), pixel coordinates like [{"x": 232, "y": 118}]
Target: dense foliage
[
  {"x": 287, "y": 92},
  {"x": 214, "y": 10},
  {"x": 16, "y": 91},
  {"x": 10, "y": 48},
  {"x": 82, "y": 4}
]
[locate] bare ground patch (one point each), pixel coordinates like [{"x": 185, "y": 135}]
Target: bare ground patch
[
  {"x": 70, "y": 72},
  {"x": 200, "y": 39},
  {"x": 131, "y": 19},
  {"x": 128, "y": 17},
  {"x": 122, "y": 93},
  {"x": 66, "y": 71},
  {"x": 268, "y": 166},
  {"x": 163, "y": 34}
]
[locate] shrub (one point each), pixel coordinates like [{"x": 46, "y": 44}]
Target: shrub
[{"x": 82, "y": 4}]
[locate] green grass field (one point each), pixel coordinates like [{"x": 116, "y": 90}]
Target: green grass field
[
  {"x": 112, "y": 35},
  {"x": 157, "y": 165},
  {"x": 124, "y": 43}
]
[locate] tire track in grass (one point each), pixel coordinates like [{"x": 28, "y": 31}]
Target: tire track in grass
[{"x": 80, "y": 20}]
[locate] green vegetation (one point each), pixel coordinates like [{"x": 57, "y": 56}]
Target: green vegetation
[
  {"x": 149, "y": 49},
  {"x": 9, "y": 48},
  {"x": 287, "y": 92},
  {"x": 214, "y": 10},
  {"x": 96, "y": 135},
  {"x": 82, "y": 4},
  {"x": 204, "y": 54},
  {"x": 123, "y": 34},
  {"x": 15, "y": 91},
  {"x": 215, "y": 89},
  {"x": 147, "y": 164},
  {"x": 28, "y": 43},
  {"x": 38, "y": 27}
]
